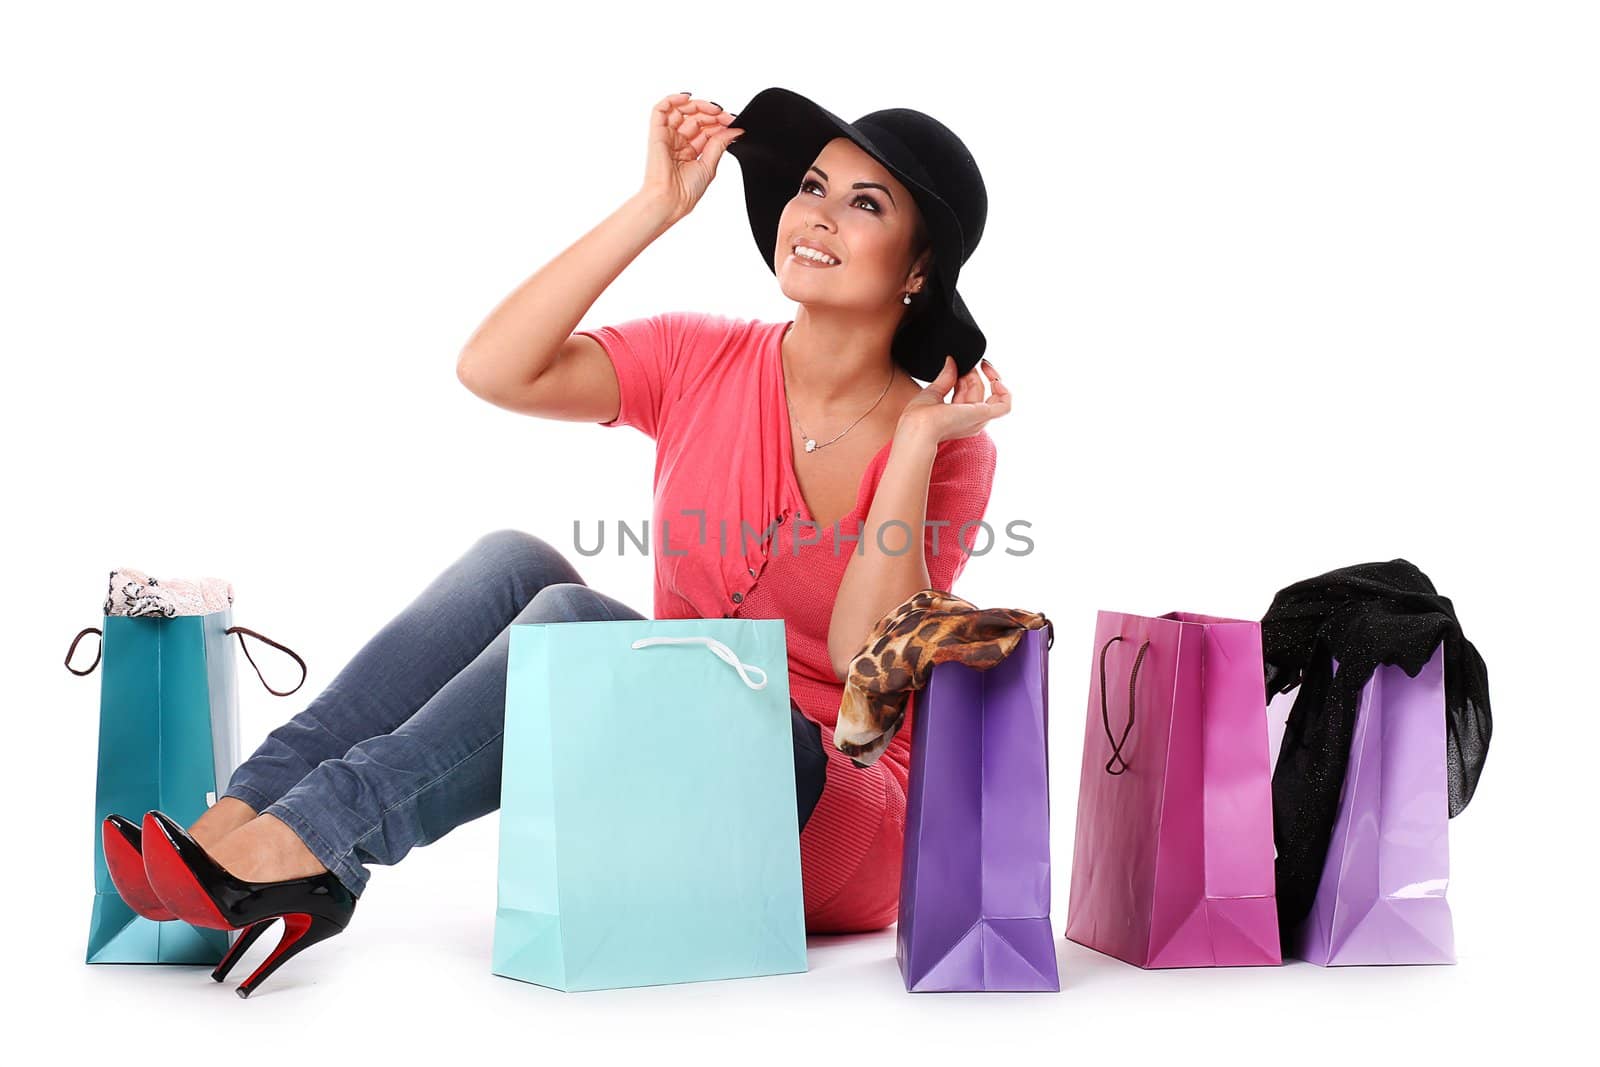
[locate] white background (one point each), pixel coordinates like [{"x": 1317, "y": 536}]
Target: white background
[{"x": 1278, "y": 287}]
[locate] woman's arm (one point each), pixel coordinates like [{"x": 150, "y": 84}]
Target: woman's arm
[
  {"x": 524, "y": 356},
  {"x": 876, "y": 580}
]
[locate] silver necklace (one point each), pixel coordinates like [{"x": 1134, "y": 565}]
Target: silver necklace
[{"x": 811, "y": 444}]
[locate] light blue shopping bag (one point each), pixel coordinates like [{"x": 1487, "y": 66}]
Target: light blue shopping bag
[
  {"x": 648, "y": 823},
  {"x": 168, "y": 736}
]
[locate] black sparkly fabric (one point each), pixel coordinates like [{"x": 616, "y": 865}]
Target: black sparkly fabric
[{"x": 1363, "y": 615}]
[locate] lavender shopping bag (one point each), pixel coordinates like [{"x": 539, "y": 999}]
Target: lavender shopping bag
[
  {"x": 975, "y": 874},
  {"x": 1173, "y": 858},
  {"x": 1382, "y": 894}
]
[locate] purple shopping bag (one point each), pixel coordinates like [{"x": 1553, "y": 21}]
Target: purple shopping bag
[
  {"x": 975, "y": 873},
  {"x": 1173, "y": 859},
  {"x": 1382, "y": 894}
]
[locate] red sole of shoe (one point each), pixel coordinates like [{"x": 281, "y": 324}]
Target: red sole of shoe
[
  {"x": 126, "y": 867},
  {"x": 175, "y": 884}
]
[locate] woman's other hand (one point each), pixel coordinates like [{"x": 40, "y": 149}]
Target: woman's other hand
[
  {"x": 687, "y": 139},
  {"x": 968, "y": 411}
]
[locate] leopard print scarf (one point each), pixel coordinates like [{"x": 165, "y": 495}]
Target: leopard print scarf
[{"x": 930, "y": 627}]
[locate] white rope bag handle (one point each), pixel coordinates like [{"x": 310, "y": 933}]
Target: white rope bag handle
[{"x": 723, "y": 652}]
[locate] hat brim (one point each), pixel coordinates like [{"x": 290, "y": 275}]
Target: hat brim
[{"x": 783, "y": 134}]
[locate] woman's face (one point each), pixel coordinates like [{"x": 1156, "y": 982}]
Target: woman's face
[{"x": 852, "y": 208}]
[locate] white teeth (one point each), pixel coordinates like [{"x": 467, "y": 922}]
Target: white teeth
[{"x": 812, "y": 253}]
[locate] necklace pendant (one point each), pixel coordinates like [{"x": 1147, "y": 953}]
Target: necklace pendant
[{"x": 811, "y": 445}]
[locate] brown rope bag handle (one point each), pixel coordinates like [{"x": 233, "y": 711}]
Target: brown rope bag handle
[
  {"x": 240, "y": 631},
  {"x": 1105, "y": 714}
]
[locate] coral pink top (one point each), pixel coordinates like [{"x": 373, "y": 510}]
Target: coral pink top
[{"x": 709, "y": 390}]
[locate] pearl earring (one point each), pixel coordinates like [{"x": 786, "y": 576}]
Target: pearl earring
[{"x": 907, "y": 299}]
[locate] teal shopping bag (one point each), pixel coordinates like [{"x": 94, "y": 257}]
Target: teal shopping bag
[
  {"x": 648, "y": 822},
  {"x": 169, "y": 739}
]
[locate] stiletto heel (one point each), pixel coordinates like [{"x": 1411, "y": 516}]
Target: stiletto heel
[
  {"x": 201, "y": 892},
  {"x": 120, "y": 841},
  {"x": 240, "y": 947},
  {"x": 299, "y": 932}
]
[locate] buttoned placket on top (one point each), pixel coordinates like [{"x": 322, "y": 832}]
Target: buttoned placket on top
[{"x": 763, "y": 552}]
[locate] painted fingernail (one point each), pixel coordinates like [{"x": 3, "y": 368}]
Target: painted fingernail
[{"x": 719, "y": 106}]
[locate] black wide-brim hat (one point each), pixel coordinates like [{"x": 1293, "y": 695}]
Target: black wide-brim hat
[{"x": 783, "y": 135}]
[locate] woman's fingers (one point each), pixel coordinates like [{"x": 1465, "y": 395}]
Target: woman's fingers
[
  {"x": 999, "y": 400},
  {"x": 974, "y": 382},
  {"x": 999, "y": 395},
  {"x": 995, "y": 385},
  {"x": 691, "y": 142},
  {"x": 663, "y": 117},
  {"x": 964, "y": 390},
  {"x": 687, "y": 137},
  {"x": 686, "y": 103},
  {"x": 944, "y": 380},
  {"x": 692, "y": 119},
  {"x": 969, "y": 386}
]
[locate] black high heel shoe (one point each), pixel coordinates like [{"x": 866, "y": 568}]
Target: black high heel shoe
[
  {"x": 201, "y": 892},
  {"x": 125, "y": 861}
]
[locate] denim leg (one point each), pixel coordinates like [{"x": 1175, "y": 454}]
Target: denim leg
[
  {"x": 438, "y": 769},
  {"x": 443, "y": 630}
]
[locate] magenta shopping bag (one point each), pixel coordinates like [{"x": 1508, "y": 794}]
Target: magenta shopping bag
[
  {"x": 1173, "y": 859},
  {"x": 975, "y": 874},
  {"x": 1382, "y": 894}
]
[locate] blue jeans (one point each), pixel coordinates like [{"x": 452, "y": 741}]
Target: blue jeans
[{"x": 405, "y": 744}]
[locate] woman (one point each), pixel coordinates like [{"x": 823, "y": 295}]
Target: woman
[{"x": 818, "y": 420}]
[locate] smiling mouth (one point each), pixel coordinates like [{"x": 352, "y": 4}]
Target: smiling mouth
[{"x": 809, "y": 259}]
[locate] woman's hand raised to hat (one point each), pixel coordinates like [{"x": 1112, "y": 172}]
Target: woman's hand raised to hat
[
  {"x": 687, "y": 139},
  {"x": 928, "y": 416}
]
